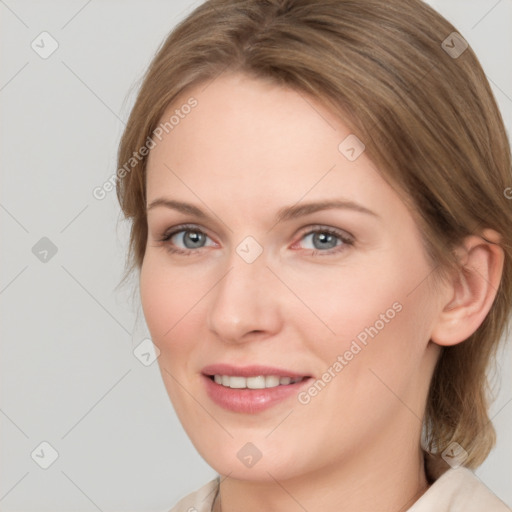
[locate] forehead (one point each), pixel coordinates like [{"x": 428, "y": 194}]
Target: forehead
[
  {"x": 251, "y": 141},
  {"x": 251, "y": 118}
]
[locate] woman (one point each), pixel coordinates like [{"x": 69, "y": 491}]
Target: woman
[{"x": 316, "y": 191}]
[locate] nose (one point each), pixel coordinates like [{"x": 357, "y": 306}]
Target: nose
[{"x": 245, "y": 304}]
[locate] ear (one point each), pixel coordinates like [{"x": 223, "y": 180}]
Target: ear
[{"x": 472, "y": 289}]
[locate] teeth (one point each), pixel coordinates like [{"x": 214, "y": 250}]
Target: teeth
[
  {"x": 236, "y": 382},
  {"x": 256, "y": 382},
  {"x": 271, "y": 381},
  {"x": 259, "y": 382}
]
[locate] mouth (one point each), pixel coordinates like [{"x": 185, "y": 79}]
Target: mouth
[{"x": 251, "y": 389}]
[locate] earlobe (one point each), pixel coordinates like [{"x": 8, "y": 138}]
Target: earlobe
[{"x": 472, "y": 289}]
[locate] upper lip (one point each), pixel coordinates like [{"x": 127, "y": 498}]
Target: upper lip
[{"x": 249, "y": 371}]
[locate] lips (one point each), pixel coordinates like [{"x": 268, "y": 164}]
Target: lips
[{"x": 250, "y": 389}]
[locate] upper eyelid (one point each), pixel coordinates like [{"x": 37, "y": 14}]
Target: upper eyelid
[{"x": 185, "y": 227}]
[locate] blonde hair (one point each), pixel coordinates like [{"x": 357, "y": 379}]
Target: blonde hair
[{"x": 428, "y": 119}]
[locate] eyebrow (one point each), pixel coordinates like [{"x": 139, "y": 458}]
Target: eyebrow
[{"x": 284, "y": 214}]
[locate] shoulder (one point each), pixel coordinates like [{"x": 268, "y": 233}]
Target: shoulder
[
  {"x": 459, "y": 490},
  {"x": 200, "y": 500}
]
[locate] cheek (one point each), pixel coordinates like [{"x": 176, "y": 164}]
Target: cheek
[
  {"x": 350, "y": 299},
  {"x": 382, "y": 334},
  {"x": 168, "y": 299},
  {"x": 378, "y": 312},
  {"x": 170, "y": 302}
]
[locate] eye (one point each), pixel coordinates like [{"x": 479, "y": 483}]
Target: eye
[
  {"x": 327, "y": 240},
  {"x": 190, "y": 237}
]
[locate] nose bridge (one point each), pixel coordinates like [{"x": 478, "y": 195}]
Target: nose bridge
[{"x": 244, "y": 300}]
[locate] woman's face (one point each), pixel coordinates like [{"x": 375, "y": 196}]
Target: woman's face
[{"x": 290, "y": 258}]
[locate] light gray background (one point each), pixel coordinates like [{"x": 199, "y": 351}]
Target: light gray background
[{"x": 68, "y": 374}]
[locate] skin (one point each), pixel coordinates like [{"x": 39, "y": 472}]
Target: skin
[{"x": 248, "y": 149}]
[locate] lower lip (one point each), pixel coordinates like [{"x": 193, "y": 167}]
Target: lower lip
[{"x": 250, "y": 400}]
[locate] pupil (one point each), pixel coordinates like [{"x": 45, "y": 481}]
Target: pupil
[
  {"x": 325, "y": 237},
  {"x": 195, "y": 238}
]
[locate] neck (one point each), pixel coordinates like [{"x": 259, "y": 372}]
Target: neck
[{"x": 383, "y": 478}]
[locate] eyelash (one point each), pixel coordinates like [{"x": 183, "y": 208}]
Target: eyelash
[{"x": 347, "y": 241}]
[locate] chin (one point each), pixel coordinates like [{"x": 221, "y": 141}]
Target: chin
[{"x": 246, "y": 460}]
